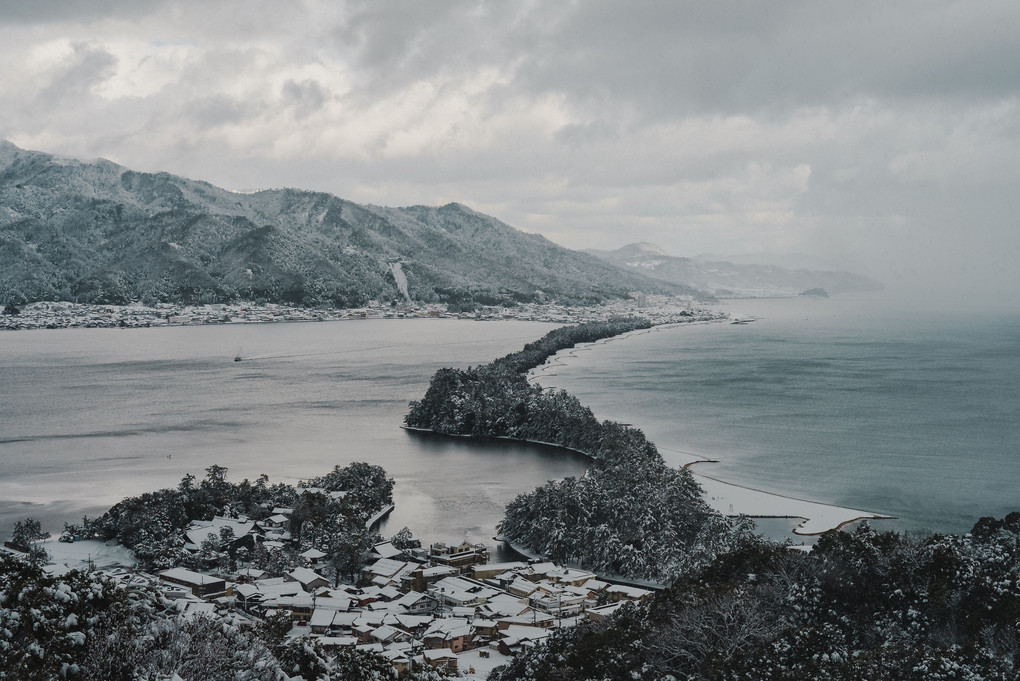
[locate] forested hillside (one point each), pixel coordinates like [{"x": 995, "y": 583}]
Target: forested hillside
[
  {"x": 96, "y": 232},
  {"x": 862, "y": 606}
]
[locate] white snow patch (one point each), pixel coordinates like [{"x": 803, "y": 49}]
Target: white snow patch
[
  {"x": 76, "y": 555},
  {"x": 401, "y": 279},
  {"x": 482, "y": 666},
  {"x": 730, "y": 499}
]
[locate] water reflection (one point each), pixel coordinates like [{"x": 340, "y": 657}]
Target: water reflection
[{"x": 89, "y": 416}]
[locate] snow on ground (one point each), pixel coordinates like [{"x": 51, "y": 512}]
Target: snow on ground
[
  {"x": 731, "y": 499},
  {"x": 77, "y": 554},
  {"x": 482, "y": 666}
]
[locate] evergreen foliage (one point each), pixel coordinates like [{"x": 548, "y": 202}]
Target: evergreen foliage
[
  {"x": 152, "y": 524},
  {"x": 87, "y": 626},
  {"x": 630, "y": 515},
  {"x": 863, "y": 605}
]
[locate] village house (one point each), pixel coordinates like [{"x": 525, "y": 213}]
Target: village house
[
  {"x": 386, "y": 571},
  {"x": 485, "y": 629},
  {"x": 308, "y": 579},
  {"x": 452, "y": 633},
  {"x": 460, "y": 557},
  {"x": 386, "y": 550},
  {"x": 491, "y": 570},
  {"x": 201, "y": 585},
  {"x": 276, "y": 522},
  {"x": 419, "y": 578},
  {"x": 603, "y": 612},
  {"x": 462, "y": 591},
  {"x": 416, "y": 602},
  {"x": 619, "y": 592},
  {"x": 520, "y": 636},
  {"x": 442, "y": 659},
  {"x": 312, "y": 556},
  {"x": 241, "y": 531}
]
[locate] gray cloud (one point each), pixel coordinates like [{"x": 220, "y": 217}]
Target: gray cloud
[
  {"x": 77, "y": 75},
  {"x": 666, "y": 58},
  {"x": 62, "y": 11},
  {"x": 305, "y": 97},
  {"x": 882, "y": 135}
]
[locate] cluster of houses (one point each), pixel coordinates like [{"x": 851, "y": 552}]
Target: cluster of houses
[
  {"x": 55, "y": 315},
  {"x": 446, "y": 606}
]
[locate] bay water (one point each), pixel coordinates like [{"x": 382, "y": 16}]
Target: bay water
[
  {"x": 902, "y": 410},
  {"x": 89, "y": 416},
  {"x": 910, "y": 410}
]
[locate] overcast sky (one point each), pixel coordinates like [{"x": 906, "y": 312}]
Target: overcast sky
[{"x": 882, "y": 136}]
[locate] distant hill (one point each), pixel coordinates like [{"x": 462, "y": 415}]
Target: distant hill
[
  {"x": 96, "y": 232},
  {"x": 730, "y": 280}
]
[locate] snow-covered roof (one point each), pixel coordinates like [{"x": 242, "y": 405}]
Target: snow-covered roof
[
  {"x": 628, "y": 591},
  {"x": 304, "y": 576},
  {"x": 199, "y": 531},
  {"x": 180, "y": 574},
  {"x": 438, "y": 654},
  {"x": 386, "y": 549},
  {"x": 519, "y": 632},
  {"x": 386, "y": 567},
  {"x": 313, "y": 554},
  {"x": 387, "y": 633},
  {"x": 322, "y": 617},
  {"x": 337, "y": 641},
  {"x": 438, "y": 570}
]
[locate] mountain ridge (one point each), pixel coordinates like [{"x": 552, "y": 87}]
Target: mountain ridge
[
  {"x": 724, "y": 279},
  {"x": 98, "y": 232}
]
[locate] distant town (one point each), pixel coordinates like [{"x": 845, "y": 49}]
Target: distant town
[{"x": 58, "y": 315}]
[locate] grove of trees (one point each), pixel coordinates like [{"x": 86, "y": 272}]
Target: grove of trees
[
  {"x": 863, "y": 605},
  {"x": 152, "y": 524}
]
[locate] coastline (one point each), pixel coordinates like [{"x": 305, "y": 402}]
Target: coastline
[
  {"x": 498, "y": 438},
  {"x": 734, "y": 499}
]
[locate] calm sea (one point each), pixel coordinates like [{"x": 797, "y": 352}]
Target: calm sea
[
  {"x": 847, "y": 401},
  {"x": 89, "y": 416},
  {"x": 850, "y": 401}
]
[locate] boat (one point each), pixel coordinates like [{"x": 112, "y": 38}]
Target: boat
[{"x": 237, "y": 358}]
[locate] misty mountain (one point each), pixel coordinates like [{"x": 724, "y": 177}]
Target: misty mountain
[
  {"x": 96, "y": 232},
  {"x": 731, "y": 280}
]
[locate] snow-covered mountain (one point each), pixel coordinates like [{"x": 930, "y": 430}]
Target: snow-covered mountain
[
  {"x": 731, "y": 280},
  {"x": 94, "y": 231}
]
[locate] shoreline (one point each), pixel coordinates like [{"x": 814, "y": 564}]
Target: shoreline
[
  {"x": 557, "y": 360},
  {"x": 497, "y": 438},
  {"x": 733, "y": 499},
  {"x": 816, "y": 517}
]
